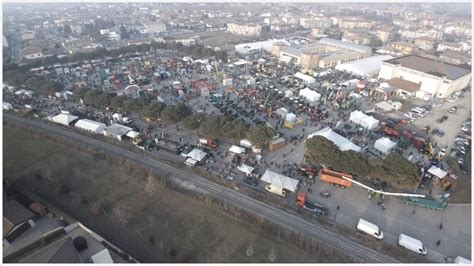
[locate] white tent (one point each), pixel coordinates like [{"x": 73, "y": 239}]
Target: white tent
[
  {"x": 363, "y": 120},
  {"x": 190, "y": 161},
  {"x": 275, "y": 179},
  {"x": 236, "y": 149},
  {"x": 132, "y": 134},
  {"x": 245, "y": 143},
  {"x": 385, "y": 106},
  {"x": 438, "y": 172},
  {"x": 307, "y": 79},
  {"x": 310, "y": 95},
  {"x": 384, "y": 145},
  {"x": 197, "y": 154},
  {"x": 246, "y": 169},
  {"x": 64, "y": 119},
  {"x": 363, "y": 67},
  {"x": 342, "y": 143},
  {"x": 90, "y": 125}
]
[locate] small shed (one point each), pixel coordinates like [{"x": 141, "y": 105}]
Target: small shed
[{"x": 277, "y": 144}]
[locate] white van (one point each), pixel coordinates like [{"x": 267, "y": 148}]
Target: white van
[
  {"x": 369, "y": 228},
  {"x": 275, "y": 190},
  {"x": 461, "y": 260},
  {"x": 412, "y": 244}
]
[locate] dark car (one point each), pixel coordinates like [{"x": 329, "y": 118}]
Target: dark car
[
  {"x": 442, "y": 119},
  {"x": 252, "y": 182},
  {"x": 440, "y": 133}
]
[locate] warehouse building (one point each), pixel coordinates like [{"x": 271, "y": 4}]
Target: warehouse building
[{"x": 434, "y": 78}]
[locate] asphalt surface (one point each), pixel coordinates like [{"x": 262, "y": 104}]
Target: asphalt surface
[{"x": 266, "y": 211}]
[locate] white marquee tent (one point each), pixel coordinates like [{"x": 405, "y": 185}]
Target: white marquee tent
[
  {"x": 236, "y": 149},
  {"x": 310, "y": 95},
  {"x": 90, "y": 125},
  {"x": 363, "y": 120},
  {"x": 197, "y": 154},
  {"x": 246, "y": 169},
  {"x": 307, "y": 79},
  {"x": 275, "y": 179},
  {"x": 438, "y": 172},
  {"x": 64, "y": 119},
  {"x": 342, "y": 143},
  {"x": 384, "y": 145}
]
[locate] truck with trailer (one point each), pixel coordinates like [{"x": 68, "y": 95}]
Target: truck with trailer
[
  {"x": 428, "y": 203},
  {"x": 412, "y": 244},
  {"x": 369, "y": 228},
  {"x": 335, "y": 178},
  {"x": 302, "y": 202}
]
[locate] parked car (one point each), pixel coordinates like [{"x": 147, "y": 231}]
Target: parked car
[
  {"x": 442, "y": 119},
  {"x": 453, "y": 110},
  {"x": 440, "y": 133}
]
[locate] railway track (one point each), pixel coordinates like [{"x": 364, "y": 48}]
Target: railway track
[{"x": 261, "y": 209}]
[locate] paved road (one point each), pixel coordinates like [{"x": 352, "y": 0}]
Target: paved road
[{"x": 230, "y": 196}]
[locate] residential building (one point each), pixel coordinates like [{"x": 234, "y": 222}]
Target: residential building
[
  {"x": 385, "y": 34},
  {"x": 356, "y": 38},
  {"x": 444, "y": 46},
  {"x": 353, "y": 23},
  {"x": 435, "y": 78},
  {"x": 32, "y": 52},
  {"x": 155, "y": 27},
  {"x": 246, "y": 30},
  {"x": 425, "y": 43},
  {"x": 456, "y": 58}
]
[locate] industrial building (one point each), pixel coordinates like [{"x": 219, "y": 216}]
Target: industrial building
[
  {"x": 64, "y": 119},
  {"x": 424, "y": 78},
  {"x": 326, "y": 53},
  {"x": 91, "y": 126}
]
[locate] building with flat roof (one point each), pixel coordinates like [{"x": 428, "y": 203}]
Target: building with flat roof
[
  {"x": 436, "y": 78},
  {"x": 247, "y": 30},
  {"x": 366, "y": 50}
]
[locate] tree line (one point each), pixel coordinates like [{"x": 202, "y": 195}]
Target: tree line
[{"x": 393, "y": 169}]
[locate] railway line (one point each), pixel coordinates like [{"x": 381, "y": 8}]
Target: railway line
[{"x": 261, "y": 209}]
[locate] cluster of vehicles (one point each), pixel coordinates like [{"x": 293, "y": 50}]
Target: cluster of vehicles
[{"x": 462, "y": 144}]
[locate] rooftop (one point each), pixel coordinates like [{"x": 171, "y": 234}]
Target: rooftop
[
  {"x": 404, "y": 84},
  {"x": 429, "y": 66},
  {"x": 345, "y": 45}
]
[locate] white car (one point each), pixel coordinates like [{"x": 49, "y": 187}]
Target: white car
[{"x": 453, "y": 99}]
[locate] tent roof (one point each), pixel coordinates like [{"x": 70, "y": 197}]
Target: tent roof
[
  {"x": 133, "y": 134},
  {"x": 280, "y": 180},
  {"x": 363, "y": 119},
  {"x": 236, "y": 149},
  {"x": 89, "y": 124},
  {"x": 384, "y": 144},
  {"x": 197, "y": 154},
  {"x": 367, "y": 66},
  {"x": 246, "y": 169},
  {"x": 438, "y": 172},
  {"x": 304, "y": 77},
  {"x": 64, "y": 119},
  {"x": 342, "y": 143}
]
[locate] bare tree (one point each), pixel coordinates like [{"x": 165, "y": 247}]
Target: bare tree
[
  {"x": 121, "y": 212},
  {"x": 151, "y": 186}
]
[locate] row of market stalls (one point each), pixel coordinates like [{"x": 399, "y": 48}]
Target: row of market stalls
[{"x": 115, "y": 130}]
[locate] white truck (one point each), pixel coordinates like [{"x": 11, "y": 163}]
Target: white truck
[
  {"x": 412, "y": 244},
  {"x": 275, "y": 190},
  {"x": 369, "y": 228}
]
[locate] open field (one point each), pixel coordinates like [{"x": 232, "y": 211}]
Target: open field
[{"x": 163, "y": 226}]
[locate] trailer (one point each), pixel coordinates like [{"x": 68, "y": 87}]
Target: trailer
[
  {"x": 428, "y": 203},
  {"x": 335, "y": 178},
  {"x": 302, "y": 202}
]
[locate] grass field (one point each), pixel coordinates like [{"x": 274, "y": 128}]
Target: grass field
[{"x": 163, "y": 226}]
